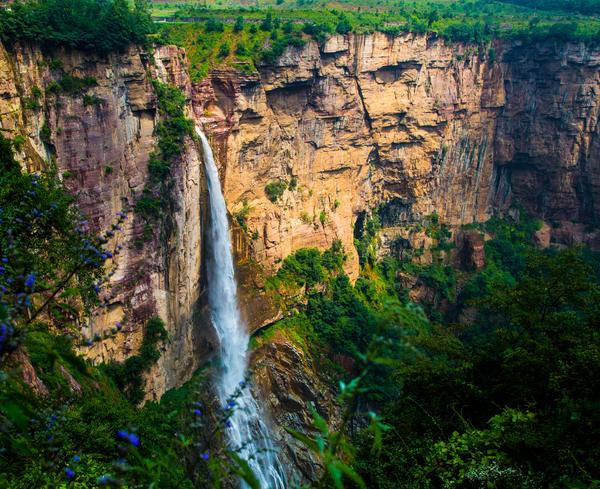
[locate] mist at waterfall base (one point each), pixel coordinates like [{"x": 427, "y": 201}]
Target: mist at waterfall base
[{"x": 248, "y": 433}]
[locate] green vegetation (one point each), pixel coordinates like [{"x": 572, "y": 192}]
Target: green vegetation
[
  {"x": 73, "y": 85},
  {"x": 365, "y": 241},
  {"x": 509, "y": 398},
  {"x": 50, "y": 270},
  {"x": 506, "y": 398},
  {"x": 89, "y": 437},
  {"x": 275, "y": 189},
  {"x": 265, "y": 31},
  {"x": 63, "y": 422},
  {"x": 173, "y": 127},
  {"x": 45, "y": 133},
  {"x": 242, "y": 214},
  {"x": 43, "y": 259},
  {"x": 589, "y": 7},
  {"x": 33, "y": 102},
  {"x": 214, "y": 43},
  {"x": 323, "y": 218},
  {"x": 128, "y": 375},
  {"x": 102, "y": 27}
]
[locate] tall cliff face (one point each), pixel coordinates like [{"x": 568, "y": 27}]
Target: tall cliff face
[
  {"x": 406, "y": 121},
  {"x": 410, "y": 121},
  {"x": 101, "y": 137}
]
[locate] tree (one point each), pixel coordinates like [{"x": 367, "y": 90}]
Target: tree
[
  {"x": 90, "y": 25},
  {"x": 213, "y": 25},
  {"x": 239, "y": 24},
  {"x": 224, "y": 50},
  {"x": 344, "y": 26},
  {"x": 267, "y": 23}
]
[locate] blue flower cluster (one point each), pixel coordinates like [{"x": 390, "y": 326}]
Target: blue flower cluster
[
  {"x": 7, "y": 331},
  {"x": 69, "y": 470},
  {"x": 132, "y": 438}
]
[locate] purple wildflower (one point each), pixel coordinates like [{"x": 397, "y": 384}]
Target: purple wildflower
[
  {"x": 205, "y": 457},
  {"x": 69, "y": 473},
  {"x": 30, "y": 281},
  {"x": 130, "y": 437},
  {"x": 134, "y": 440},
  {"x": 104, "y": 479}
]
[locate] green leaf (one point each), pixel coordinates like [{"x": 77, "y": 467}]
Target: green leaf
[
  {"x": 336, "y": 474},
  {"x": 390, "y": 362},
  {"x": 305, "y": 440},
  {"x": 351, "y": 474},
  {"x": 318, "y": 420}
]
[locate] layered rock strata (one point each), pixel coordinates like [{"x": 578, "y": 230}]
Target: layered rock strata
[{"x": 412, "y": 122}]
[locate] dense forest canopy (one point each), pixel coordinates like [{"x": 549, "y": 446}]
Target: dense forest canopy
[
  {"x": 94, "y": 25},
  {"x": 109, "y": 25},
  {"x": 587, "y": 7}
]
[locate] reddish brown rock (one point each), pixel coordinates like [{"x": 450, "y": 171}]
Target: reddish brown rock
[
  {"x": 19, "y": 359},
  {"x": 543, "y": 236},
  {"x": 471, "y": 250}
]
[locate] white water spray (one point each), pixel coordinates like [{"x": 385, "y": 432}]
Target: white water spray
[{"x": 248, "y": 433}]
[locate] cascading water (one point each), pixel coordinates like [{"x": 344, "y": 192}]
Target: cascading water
[{"x": 248, "y": 433}]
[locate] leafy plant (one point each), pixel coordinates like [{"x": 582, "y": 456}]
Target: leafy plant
[
  {"x": 275, "y": 189},
  {"x": 173, "y": 127},
  {"x": 128, "y": 375}
]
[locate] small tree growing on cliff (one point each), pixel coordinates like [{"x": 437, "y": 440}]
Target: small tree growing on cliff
[
  {"x": 224, "y": 50},
  {"x": 274, "y": 190}
]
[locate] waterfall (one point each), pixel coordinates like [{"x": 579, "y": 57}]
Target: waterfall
[{"x": 248, "y": 432}]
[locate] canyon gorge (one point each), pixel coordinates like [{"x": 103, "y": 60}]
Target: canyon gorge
[{"x": 404, "y": 125}]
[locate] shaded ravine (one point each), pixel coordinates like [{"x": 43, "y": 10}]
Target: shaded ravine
[{"x": 248, "y": 434}]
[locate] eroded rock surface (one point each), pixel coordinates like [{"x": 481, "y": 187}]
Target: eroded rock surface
[
  {"x": 410, "y": 121},
  {"x": 289, "y": 381},
  {"x": 101, "y": 138}
]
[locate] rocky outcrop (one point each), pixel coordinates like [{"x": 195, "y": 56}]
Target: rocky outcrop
[
  {"x": 96, "y": 116},
  {"x": 288, "y": 380},
  {"x": 412, "y": 120},
  {"x": 470, "y": 250}
]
